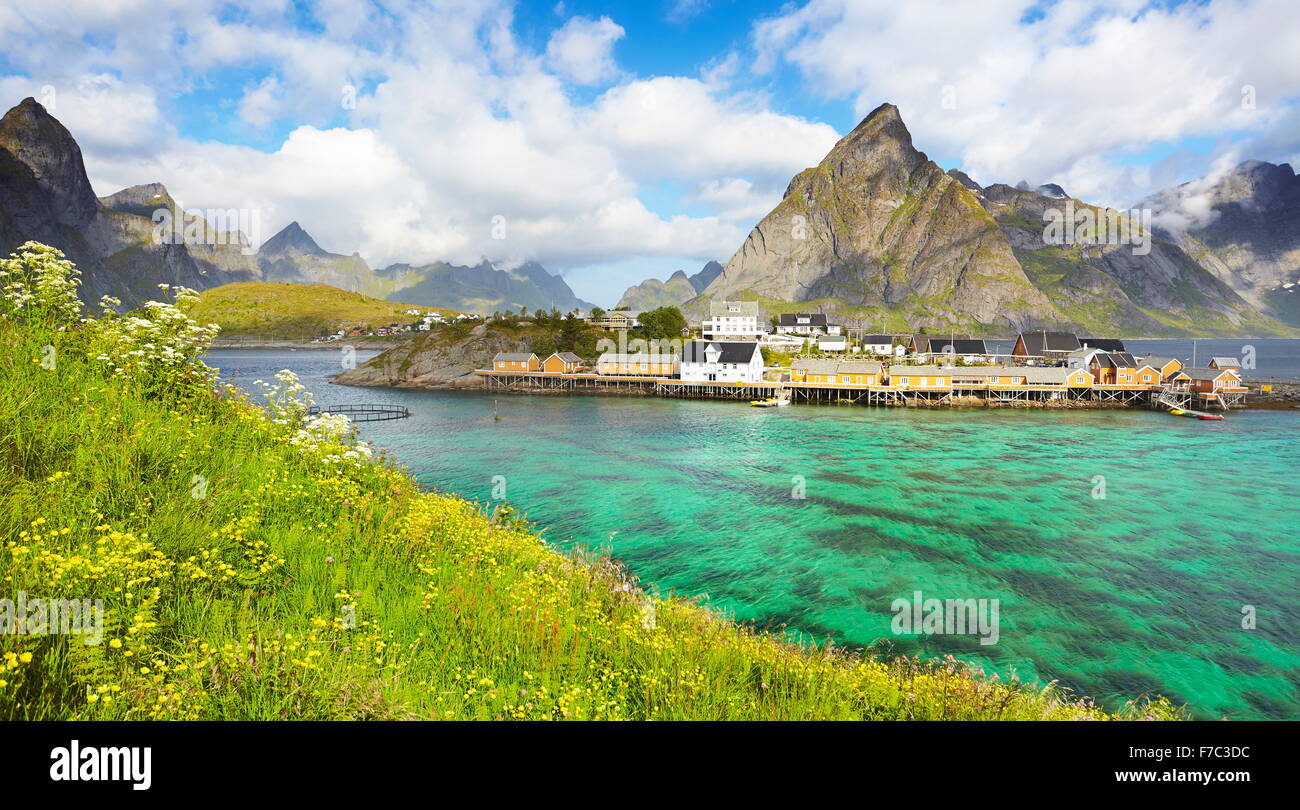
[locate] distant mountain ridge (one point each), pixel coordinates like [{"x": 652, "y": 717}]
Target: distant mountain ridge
[
  {"x": 46, "y": 196},
  {"x": 678, "y": 289}
]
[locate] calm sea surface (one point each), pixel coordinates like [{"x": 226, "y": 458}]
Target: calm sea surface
[{"x": 1140, "y": 591}]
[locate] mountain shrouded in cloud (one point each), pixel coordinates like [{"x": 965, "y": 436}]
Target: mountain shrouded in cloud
[{"x": 1242, "y": 224}]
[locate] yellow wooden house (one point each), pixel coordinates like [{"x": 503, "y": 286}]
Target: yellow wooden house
[
  {"x": 516, "y": 361},
  {"x": 562, "y": 363}
]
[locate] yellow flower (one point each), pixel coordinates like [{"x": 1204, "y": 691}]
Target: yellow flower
[
  {"x": 26, "y": 658},
  {"x": 115, "y": 643}
]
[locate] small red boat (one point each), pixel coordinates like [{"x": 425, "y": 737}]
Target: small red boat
[{"x": 1210, "y": 416}]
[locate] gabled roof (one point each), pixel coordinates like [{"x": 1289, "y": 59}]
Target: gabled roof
[
  {"x": 746, "y": 309},
  {"x": 802, "y": 319},
  {"x": 1206, "y": 373},
  {"x": 919, "y": 371},
  {"x": 959, "y": 345},
  {"x": 877, "y": 339},
  {"x": 935, "y": 343},
  {"x": 1109, "y": 344},
  {"x": 813, "y": 366},
  {"x": 1116, "y": 360},
  {"x": 731, "y": 351},
  {"x": 1047, "y": 375},
  {"x": 567, "y": 357},
  {"x": 512, "y": 357},
  {"x": 1159, "y": 362},
  {"x": 1226, "y": 362},
  {"x": 858, "y": 367},
  {"x": 1040, "y": 343}
]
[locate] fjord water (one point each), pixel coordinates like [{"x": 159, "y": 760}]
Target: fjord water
[{"x": 1139, "y": 591}]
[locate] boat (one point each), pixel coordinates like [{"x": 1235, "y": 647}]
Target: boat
[{"x": 770, "y": 402}]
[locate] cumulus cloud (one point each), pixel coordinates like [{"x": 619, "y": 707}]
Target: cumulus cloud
[
  {"x": 583, "y": 50},
  {"x": 427, "y": 132},
  {"x": 1058, "y": 92}
]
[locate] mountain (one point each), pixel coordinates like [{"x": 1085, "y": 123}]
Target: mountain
[
  {"x": 1244, "y": 227},
  {"x": 129, "y": 242},
  {"x": 293, "y": 256},
  {"x": 678, "y": 289},
  {"x": 880, "y": 235},
  {"x": 46, "y": 196},
  {"x": 882, "y": 229},
  {"x": 481, "y": 289}
]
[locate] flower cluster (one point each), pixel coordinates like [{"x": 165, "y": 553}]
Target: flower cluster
[
  {"x": 157, "y": 343},
  {"x": 38, "y": 285}
]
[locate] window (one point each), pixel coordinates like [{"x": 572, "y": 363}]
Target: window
[{"x": 846, "y": 379}]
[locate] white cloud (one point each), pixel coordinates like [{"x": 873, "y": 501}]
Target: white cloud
[
  {"x": 1056, "y": 99},
  {"x": 456, "y": 123},
  {"x": 583, "y": 50}
]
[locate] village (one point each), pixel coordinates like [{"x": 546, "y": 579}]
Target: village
[{"x": 1046, "y": 368}]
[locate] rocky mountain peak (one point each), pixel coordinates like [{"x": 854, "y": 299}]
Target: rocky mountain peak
[
  {"x": 291, "y": 239},
  {"x": 141, "y": 200},
  {"x": 36, "y": 139}
]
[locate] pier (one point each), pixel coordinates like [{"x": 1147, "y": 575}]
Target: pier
[{"x": 879, "y": 395}]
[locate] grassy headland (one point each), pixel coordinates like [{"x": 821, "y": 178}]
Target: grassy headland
[
  {"x": 270, "y": 310},
  {"x": 258, "y": 563}
]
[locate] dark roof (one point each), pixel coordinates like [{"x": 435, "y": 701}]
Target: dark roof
[
  {"x": 935, "y": 343},
  {"x": 1117, "y": 359},
  {"x": 568, "y": 357},
  {"x": 1109, "y": 344},
  {"x": 959, "y": 346},
  {"x": 1040, "y": 343},
  {"x": 808, "y": 319},
  {"x": 877, "y": 339},
  {"x": 732, "y": 351},
  {"x": 512, "y": 356}
]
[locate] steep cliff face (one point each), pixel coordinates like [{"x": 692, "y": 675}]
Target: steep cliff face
[
  {"x": 1244, "y": 227},
  {"x": 878, "y": 224},
  {"x": 48, "y": 198}
]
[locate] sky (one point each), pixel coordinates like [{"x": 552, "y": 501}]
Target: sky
[{"x": 615, "y": 142}]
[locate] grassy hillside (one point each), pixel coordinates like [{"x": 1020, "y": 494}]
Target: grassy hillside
[
  {"x": 256, "y": 563},
  {"x": 266, "y": 309}
]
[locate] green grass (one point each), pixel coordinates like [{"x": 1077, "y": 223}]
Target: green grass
[
  {"x": 271, "y": 310},
  {"x": 246, "y": 577}
]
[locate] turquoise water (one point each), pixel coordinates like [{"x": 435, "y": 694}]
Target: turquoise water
[{"x": 1140, "y": 591}]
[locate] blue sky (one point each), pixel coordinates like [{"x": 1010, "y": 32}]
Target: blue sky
[{"x": 620, "y": 141}]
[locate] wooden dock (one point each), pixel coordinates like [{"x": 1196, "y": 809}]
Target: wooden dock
[{"x": 884, "y": 395}]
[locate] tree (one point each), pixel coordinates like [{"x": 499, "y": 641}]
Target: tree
[
  {"x": 597, "y": 313},
  {"x": 571, "y": 330},
  {"x": 663, "y": 323}
]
